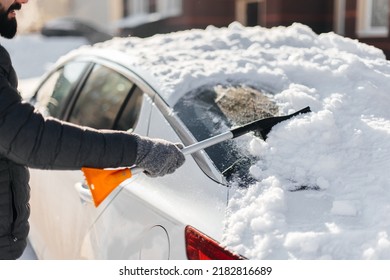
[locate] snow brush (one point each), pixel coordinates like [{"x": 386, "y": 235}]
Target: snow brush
[{"x": 102, "y": 182}]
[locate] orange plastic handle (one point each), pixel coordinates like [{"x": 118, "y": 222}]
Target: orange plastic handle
[{"x": 102, "y": 182}]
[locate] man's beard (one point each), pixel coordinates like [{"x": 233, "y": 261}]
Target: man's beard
[{"x": 8, "y": 27}]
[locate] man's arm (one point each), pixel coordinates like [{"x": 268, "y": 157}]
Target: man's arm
[{"x": 28, "y": 138}]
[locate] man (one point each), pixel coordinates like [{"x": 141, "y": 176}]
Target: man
[{"x": 27, "y": 139}]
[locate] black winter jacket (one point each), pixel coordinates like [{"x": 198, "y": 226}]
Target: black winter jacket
[{"x": 27, "y": 139}]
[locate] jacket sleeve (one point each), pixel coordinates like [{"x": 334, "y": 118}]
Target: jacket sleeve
[{"x": 27, "y": 138}]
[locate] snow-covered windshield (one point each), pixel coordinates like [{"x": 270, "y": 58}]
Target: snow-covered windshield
[{"x": 214, "y": 109}]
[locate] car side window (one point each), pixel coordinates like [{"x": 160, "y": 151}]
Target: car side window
[
  {"x": 101, "y": 98},
  {"x": 52, "y": 95}
]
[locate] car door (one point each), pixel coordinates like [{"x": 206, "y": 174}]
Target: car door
[
  {"x": 147, "y": 218},
  {"x": 61, "y": 209}
]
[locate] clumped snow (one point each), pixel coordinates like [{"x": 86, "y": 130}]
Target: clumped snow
[
  {"x": 323, "y": 189},
  {"x": 341, "y": 151}
]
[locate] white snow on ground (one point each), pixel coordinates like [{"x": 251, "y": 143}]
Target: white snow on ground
[
  {"x": 342, "y": 148},
  {"x": 33, "y": 54}
]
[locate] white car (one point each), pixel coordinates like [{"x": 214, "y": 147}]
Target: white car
[{"x": 179, "y": 216}]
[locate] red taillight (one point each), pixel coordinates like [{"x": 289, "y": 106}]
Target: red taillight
[{"x": 202, "y": 247}]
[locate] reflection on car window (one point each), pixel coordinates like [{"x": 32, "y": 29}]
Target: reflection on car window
[
  {"x": 52, "y": 94},
  {"x": 211, "y": 110},
  {"x": 101, "y": 98}
]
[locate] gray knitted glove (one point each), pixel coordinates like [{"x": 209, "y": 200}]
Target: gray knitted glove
[{"x": 158, "y": 157}]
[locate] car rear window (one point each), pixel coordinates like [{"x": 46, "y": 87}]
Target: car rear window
[{"x": 211, "y": 110}]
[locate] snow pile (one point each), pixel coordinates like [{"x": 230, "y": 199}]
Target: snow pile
[{"x": 340, "y": 153}]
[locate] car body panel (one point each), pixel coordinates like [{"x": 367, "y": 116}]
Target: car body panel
[{"x": 60, "y": 213}]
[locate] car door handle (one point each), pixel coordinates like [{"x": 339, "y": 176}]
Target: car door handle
[{"x": 84, "y": 192}]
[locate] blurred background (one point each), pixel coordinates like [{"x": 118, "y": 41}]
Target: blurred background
[
  {"x": 48, "y": 29},
  {"x": 366, "y": 20}
]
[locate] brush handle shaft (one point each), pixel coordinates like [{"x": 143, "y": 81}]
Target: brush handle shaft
[
  {"x": 207, "y": 143},
  {"x": 263, "y": 126}
]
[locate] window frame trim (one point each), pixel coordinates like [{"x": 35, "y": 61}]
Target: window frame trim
[
  {"x": 364, "y": 28},
  {"x": 164, "y": 8},
  {"x": 241, "y": 11}
]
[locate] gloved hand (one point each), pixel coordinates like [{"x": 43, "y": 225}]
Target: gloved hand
[{"x": 158, "y": 157}]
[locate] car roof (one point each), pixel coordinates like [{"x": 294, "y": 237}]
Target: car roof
[{"x": 179, "y": 62}]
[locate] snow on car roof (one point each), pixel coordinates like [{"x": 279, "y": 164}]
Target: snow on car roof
[
  {"x": 323, "y": 188},
  {"x": 182, "y": 61}
]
